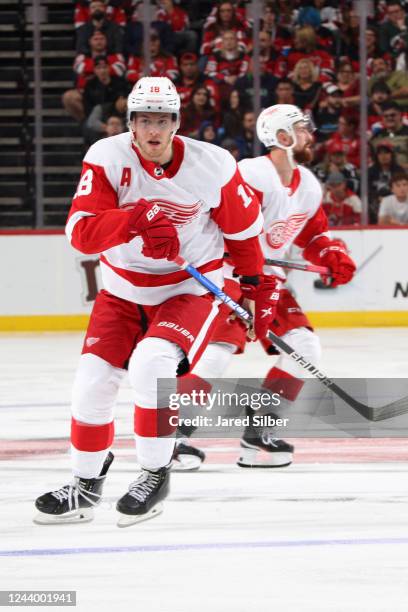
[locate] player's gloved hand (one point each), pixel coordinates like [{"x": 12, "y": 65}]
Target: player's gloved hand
[
  {"x": 331, "y": 253},
  {"x": 160, "y": 240},
  {"x": 260, "y": 295}
]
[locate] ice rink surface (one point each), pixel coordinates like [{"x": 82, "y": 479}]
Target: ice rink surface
[{"x": 329, "y": 533}]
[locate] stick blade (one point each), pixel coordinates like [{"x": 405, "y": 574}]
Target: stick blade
[{"x": 390, "y": 410}]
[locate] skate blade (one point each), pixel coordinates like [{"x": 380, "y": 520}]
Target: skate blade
[
  {"x": 126, "y": 520},
  {"x": 84, "y": 515},
  {"x": 186, "y": 463},
  {"x": 255, "y": 458}
]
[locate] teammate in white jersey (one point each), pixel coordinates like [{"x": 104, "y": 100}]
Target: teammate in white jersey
[
  {"x": 143, "y": 198},
  {"x": 290, "y": 197}
]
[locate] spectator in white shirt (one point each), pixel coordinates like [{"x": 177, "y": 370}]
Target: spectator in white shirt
[{"x": 394, "y": 208}]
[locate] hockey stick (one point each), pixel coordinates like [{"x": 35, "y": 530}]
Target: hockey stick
[
  {"x": 294, "y": 265},
  {"x": 297, "y": 265},
  {"x": 370, "y": 413}
]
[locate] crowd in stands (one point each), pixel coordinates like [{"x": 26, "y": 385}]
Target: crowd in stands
[{"x": 309, "y": 56}]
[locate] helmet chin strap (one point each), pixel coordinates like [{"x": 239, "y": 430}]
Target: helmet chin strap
[
  {"x": 289, "y": 149},
  {"x": 291, "y": 158}
]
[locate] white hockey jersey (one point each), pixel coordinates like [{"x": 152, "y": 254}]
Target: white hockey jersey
[
  {"x": 292, "y": 215},
  {"x": 201, "y": 192}
]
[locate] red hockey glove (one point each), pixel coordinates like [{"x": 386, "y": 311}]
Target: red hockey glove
[
  {"x": 331, "y": 253},
  {"x": 262, "y": 300},
  {"x": 160, "y": 240}
]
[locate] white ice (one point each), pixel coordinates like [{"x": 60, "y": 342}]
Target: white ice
[{"x": 328, "y": 534}]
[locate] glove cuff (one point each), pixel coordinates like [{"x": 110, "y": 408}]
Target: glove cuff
[{"x": 250, "y": 280}]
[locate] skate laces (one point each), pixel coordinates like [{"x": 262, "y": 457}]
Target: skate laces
[
  {"x": 144, "y": 485},
  {"x": 72, "y": 492}
]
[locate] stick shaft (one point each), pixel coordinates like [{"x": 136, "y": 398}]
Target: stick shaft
[
  {"x": 294, "y": 265},
  {"x": 297, "y": 265},
  {"x": 365, "y": 411}
]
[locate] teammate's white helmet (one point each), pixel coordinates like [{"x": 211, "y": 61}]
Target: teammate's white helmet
[
  {"x": 276, "y": 118},
  {"x": 154, "y": 95}
]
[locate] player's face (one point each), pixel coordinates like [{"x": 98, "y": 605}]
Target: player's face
[
  {"x": 153, "y": 133},
  {"x": 303, "y": 152}
]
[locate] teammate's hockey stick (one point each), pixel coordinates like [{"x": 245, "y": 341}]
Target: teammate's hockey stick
[
  {"x": 370, "y": 413},
  {"x": 294, "y": 265},
  {"x": 297, "y": 265}
]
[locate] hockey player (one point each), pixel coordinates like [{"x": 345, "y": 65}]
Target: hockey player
[
  {"x": 290, "y": 197},
  {"x": 143, "y": 197}
]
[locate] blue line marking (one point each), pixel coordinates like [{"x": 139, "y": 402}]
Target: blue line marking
[{"x": 44, "y": 552}]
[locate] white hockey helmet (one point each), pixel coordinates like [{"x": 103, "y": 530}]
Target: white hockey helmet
[
  {"x": 154, "y": 95},
  {"x": 280, "y": 117}
]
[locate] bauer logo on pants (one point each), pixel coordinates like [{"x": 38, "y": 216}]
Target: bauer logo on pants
[{"x": 177, "y": 328}]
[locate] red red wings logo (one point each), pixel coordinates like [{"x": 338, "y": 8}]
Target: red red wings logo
[
  {"x": 179, "y": 214},
  {"x": 280, "y": 232}
]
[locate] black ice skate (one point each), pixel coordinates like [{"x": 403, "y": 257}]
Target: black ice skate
[
  {"x": 260, "y": 449},
  {"x": 142, "y": 501},
  {"x": 187, "y": 457},
  {"x": 73, "y": 503}
]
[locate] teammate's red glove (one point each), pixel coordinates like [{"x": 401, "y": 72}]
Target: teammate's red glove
[
  {"x": 331, "y": 253},
  {"x": 160, "y": 240},
  {"x": 262, "y": 300}
]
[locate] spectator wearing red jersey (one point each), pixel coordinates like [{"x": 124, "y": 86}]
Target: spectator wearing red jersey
[
  {"x": 162, "y": 63},
  {"x": 348, "y": 83},
  {"x": 305, "y": 43},
  {"x": 98, "y": 21},
  {"x": 227, "y": 64},
  {"x": 225, "y": 19},
  {"x": 347, "y": 137},
  {"x": 113, "y": 13},
  {"x": 281, "y": 38},
  {"x": 84, "y": 64},
  {"x": 307, "y": 85},
  {"x": 190, "y": 78},
  {"x": 184, "y": 39},
  {"x": 196, "y": 112},
  {"x": 341, "y": 205}
]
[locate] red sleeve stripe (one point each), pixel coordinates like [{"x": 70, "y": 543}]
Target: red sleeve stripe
[{"x": 249, "y": 232}]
